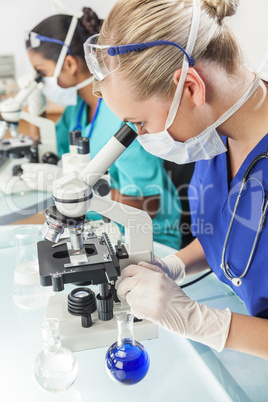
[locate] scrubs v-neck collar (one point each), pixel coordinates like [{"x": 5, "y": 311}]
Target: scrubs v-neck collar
[{"x": 258, "y": 149}]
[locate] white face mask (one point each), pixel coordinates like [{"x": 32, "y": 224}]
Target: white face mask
[
  {"x": 51, "y": 89},
  {"x": 207, "y": 144},
  {"x": 62, "y": 96}
]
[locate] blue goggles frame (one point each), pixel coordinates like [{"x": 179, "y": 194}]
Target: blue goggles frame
[
  {"x": 43, "y": 38},
  {"x": 135, "y": 47},
  {"x": 94, "y": 54}
]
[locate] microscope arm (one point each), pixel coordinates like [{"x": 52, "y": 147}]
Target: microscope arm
[
  {"x": 11, "y": 108},
  {"x": 74, "y": 198},
  {"x": 12, "y": 113},
  {"x": 72, "y": 193},
  {"x": 137, "y": 223},
  {"x": 47, "y": 133}
]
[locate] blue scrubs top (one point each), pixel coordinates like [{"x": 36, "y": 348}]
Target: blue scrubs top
[
  {"x": 134, "y": 173},
  {"x": 212, "y": 199}
]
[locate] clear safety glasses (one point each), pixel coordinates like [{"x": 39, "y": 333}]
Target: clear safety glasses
[
  {"x": 34, "y": 40},
  {"x": 94, "y": 54}
]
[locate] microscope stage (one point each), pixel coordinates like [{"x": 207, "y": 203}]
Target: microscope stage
[{"x": 95, "y": 264}]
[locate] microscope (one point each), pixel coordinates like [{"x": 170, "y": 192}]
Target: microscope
[
  {"x": 83, "y": 258},
  {"x": 19, "y": 147}
]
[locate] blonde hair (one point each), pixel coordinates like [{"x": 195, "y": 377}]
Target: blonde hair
[{"x": 150, "y": 72}]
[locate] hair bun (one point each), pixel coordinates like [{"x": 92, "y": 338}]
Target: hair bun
[
  {"x": 90, "y": 21},
  {"x": 222, "y": 8}
]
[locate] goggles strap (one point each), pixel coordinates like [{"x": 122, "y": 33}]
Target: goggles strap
[{"x": 42, "y": 38}]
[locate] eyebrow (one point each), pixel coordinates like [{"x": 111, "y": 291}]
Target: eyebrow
[
  {"x": 128, "y": 119},
  {"x": 38, "y": 66}
]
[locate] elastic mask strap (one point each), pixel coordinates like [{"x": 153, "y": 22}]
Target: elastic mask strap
[
  {"x": 64, "y": 49},
  {"x": 185, "y": 65},
  {"x": 85, "y": 83},
  {"x": 253, "y": 87},
  {"x": 76, "y": 15}
]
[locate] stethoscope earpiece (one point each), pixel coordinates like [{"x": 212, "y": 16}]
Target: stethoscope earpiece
[{"x": 236, "y": 282}]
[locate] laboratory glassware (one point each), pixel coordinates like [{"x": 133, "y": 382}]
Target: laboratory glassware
[
  {"x": 55, "y": 368},
  {"x": 127, "y": 361},
  {"x": 27, "y": 291}
]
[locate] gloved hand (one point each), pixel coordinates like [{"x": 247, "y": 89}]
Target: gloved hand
[
  {"x": 171, "y": 265},
  {"x": 12, "y": 184},
  {"x": 153, "y": 296},
  {"x": 37, "y": 103},
  {"x": 40, "y": 176}
]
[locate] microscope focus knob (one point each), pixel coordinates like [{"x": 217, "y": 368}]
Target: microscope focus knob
[
  {"x": 57, "y": 283},
  {"x": 50, "y": 158},
  {"x": 105, "y": 307},
  {"x": 102, "y": 187}
]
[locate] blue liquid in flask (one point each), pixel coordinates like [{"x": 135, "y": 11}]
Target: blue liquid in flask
[{"x": 127, "y": 361}]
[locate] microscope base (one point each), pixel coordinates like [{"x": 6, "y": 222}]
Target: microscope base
[{"x": 100, "y": 334}]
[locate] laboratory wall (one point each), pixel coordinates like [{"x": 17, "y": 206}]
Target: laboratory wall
[{"x": 17, "y": 16}]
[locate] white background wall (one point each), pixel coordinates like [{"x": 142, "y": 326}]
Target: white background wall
[
  {"x": 250, "y": 25},
  {"x": 18, "y": 16}
]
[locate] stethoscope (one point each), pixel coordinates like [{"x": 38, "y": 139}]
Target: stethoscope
[
  {"x": 79, "y": 126},
  {"x": 237, "y": 281}
]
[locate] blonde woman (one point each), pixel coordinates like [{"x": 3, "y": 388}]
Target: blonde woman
[
  {"x": 138, "y": 179},
  {"x": 174, "y": 69}
]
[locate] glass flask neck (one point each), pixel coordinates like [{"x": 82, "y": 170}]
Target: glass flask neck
[
  {"x": 51, "y": 338},
  {"x": 26, "y": 243},
  {"x": 125, "y": 328}
]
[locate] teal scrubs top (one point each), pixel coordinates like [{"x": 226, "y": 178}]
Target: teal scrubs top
[{"x": 134, "y": 173}]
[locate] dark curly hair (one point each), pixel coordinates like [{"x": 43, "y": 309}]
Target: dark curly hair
[{"x": 57, "y": 26}]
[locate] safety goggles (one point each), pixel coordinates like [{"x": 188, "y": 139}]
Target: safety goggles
[
  {"x": 34, "y": 40},
  {"x": 94, "y": 54}
]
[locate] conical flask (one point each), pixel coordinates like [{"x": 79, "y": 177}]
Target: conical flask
[
  {"x": 27, "y": 291},
  {"x": 127, "y": 361},
  {"x": 55, "y": 368}
]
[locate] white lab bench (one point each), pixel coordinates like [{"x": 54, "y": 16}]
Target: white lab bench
[
  {"x": 180, "y": 370},
  {"x": 14, "y": 207}
]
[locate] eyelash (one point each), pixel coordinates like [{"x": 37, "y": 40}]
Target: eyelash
[{"x": 42, "y": 73}]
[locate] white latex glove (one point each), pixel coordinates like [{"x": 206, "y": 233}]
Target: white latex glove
[
  {"x": 12, "y": 184},
  {"x": 171, "y": 265},
  {"x": 37, "y": 103},
  {"x": 40, "y": 176},
  {"x": 154, "y": 296}
]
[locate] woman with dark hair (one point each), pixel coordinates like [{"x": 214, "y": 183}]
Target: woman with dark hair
[{"x": 55, "y": 49}]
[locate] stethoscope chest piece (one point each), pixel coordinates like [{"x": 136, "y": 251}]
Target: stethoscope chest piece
[{"x": 236, "y": 282}]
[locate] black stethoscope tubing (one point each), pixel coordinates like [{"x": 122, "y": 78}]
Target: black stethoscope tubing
[{"x": 237, "y": 281}]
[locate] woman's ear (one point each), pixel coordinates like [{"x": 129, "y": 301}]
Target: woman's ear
[
  {"x": 70, "y": 65},
  {"x": 193, "y": 84}
]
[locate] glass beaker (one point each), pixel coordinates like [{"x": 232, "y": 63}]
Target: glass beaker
[
  {"x": 55, "y": 368},
  {"x": 27, "y": 291},
  {"x": 127, "y": 361}
]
